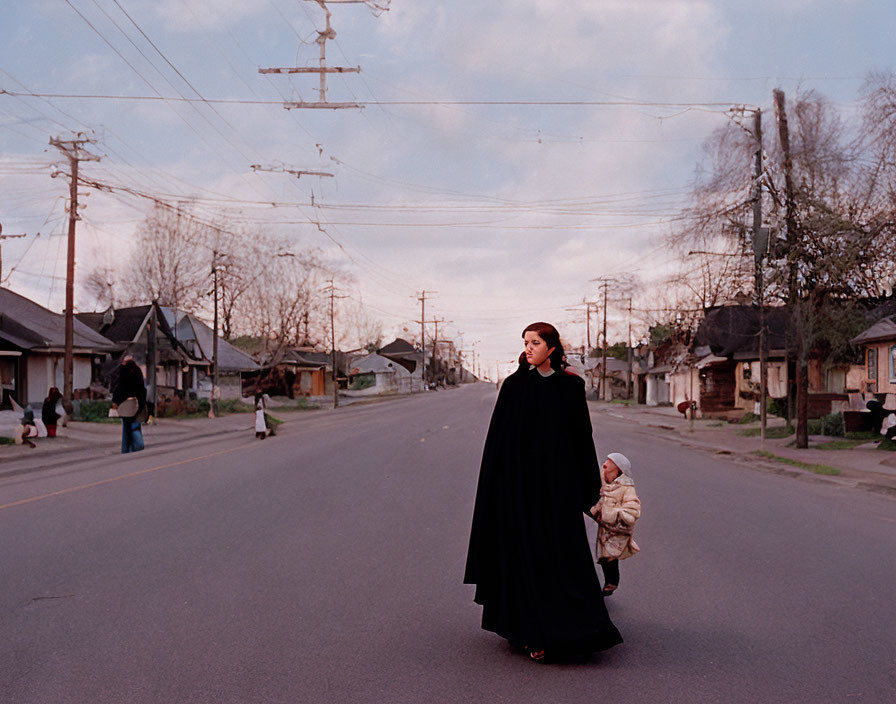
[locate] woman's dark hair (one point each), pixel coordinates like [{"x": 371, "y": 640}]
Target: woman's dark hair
[
  {"x": 551, "y": 337},
  {"x": 54, "y": 395}
]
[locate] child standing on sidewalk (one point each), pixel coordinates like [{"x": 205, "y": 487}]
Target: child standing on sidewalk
[{"x": 615, "y": 513}]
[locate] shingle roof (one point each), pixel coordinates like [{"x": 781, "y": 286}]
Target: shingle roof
[
  {"x": 124, "y": 326},
  {"x": 397, "y": 346},
  {"x": 884, "y": 329},
  {"x": 377, "y": 363},
  {"x": 735, "y": 329},
  {"x": 29, "y": 325},
  {"x": 229, "y": 357}
]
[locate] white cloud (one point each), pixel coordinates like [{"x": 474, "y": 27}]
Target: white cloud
[{"x": 179, "y": 16}]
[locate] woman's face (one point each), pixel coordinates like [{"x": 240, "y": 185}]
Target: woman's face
[{"x": 537, "y": 350}]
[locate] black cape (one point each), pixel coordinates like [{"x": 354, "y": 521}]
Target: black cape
[{"x": 529, "y": 555}]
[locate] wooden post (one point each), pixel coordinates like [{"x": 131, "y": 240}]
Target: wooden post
[{"x": 793, "y": 241}]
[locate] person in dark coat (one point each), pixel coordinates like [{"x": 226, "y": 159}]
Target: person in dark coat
[
  {"x": 49, "y": 413},
  {"x": 529, "y": 554},
  {"x": 128, "y": 384}
]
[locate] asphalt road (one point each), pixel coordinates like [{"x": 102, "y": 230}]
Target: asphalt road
[{"x": 325, "y": 565}]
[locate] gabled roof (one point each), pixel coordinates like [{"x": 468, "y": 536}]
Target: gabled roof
[
  {"x": 884, "y": 329},
  {"x": 126, "y": 323},
  {"x": 229, "y": 357},
  {"x": 377, "y": 364},
  {"x": 727, "y": 330},
  {"x": 28, "y": 325},
  {"x": 397, "y": 346}
]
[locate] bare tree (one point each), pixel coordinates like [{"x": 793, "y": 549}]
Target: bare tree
[
  {"x": 171, "y": 260},
  {"x": 100, "y": 283},
  {"x": 360, "y": 328},
  {"x": 283, "y": 301}
]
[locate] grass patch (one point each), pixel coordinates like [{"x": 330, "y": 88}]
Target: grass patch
[
  {"x": 775, "y": 432},
  {"x": 716, "y": 424},
  {"x": 886, "y": 444},
  {"x": 748, "y": 417},
  {"x": 622, "y": 401},
  {"x": 839, "y": 444},
  {"x": 863, "y": 435},
  {"x": 302, "y": 404},
  {"x": 7, "y": 441},
  {"x": 816, "y": 468},
  {"x": 93, "y": 412}
]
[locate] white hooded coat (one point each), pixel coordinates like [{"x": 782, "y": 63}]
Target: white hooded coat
[{"x": 620, "y": 508}]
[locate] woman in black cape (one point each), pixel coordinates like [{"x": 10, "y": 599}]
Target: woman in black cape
[{"x": 529, "y": 555}]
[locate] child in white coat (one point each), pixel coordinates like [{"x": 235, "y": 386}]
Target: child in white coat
[{"x": 616, "y": 513}]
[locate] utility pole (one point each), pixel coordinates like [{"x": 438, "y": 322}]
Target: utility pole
[
  {"x": 152, "y": 357},
  {"x": 760, "y": 246},
  {"x": 801, "y": 381},
  {"x": 603, "y": 368},
  {"x": 322, "y": 70},
  {"x": 629, "y": 353},
  {"x": 73, "y": 149},
  {"x": 5, "y": 237},
  {"x": 435, "y": 343},
  {"x": 422, "y": 298},
  {"x": 212, "y": 406},
  {"x": 330, "y": 288}
]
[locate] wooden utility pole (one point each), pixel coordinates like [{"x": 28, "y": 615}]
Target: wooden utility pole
[
  {"x": 323, "y": 36},
  {"x": 152, "y": 357},
  {"x": 793, "y": 251},
  {"x": 5, "y": 237},
  {"x": 422, "y": 298},
  {"x": 331, "y": 289},
  {"x": 213, "y": 405},
  {"x": 435, "y": 343},
  {"x": 75, "y": 153},
  {"x": 760, "y": 247},
  {"x": 603, "y": 368},
  {"x": 628, "y": 378}
]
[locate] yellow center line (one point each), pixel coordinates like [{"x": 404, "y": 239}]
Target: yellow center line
[{"x": 120, "y": 477}]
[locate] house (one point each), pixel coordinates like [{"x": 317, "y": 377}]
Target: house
[
  {"x": 879, "y": 346},
  {"x": 199, "y": 339},
  {"x": 731, "y": 381},
  {"x": 377, "y": 374},
  {"x": 178, "y": 368},
  {"x": 403, "y": 352},
  {"x": 296, "y": 372},
  {"x": 32, "y": 352}
]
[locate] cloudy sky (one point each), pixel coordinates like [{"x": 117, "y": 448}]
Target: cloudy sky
[{"x": 456, "y": 177}]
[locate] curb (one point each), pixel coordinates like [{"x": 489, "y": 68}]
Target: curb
[
  {"x": 756, "y": 462},
  {"x": 47, "y": 454}
]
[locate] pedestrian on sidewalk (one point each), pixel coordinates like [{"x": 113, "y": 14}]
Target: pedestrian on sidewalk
[
  {"x": 52, "y": 411},
  {"x": 261, "y": 426},
  {"x": 529, "y": 556},
  {"x": 26, "y": 429},
  {"x": 616, "y": 512},
  {"x": 129, "y": 399}
]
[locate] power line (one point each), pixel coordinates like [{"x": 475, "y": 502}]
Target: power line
[{"x": 510, "y": 103}]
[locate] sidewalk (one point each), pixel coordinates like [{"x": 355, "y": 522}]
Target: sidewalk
[
  {"x": 82, "y": 436},
  {"x": 863, "y": 466}
]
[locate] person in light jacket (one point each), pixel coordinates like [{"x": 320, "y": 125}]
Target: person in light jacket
[{"x": 616, "y": 512}]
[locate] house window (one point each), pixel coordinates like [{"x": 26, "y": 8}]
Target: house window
[{"x": 892, "y": 363}]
